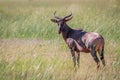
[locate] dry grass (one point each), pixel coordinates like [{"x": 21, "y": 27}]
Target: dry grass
[{"x": 48, "y": 60}]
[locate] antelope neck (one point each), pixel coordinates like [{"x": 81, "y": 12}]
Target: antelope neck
[{"x": 66, "y": 31}]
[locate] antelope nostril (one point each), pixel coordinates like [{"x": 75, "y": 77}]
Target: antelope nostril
[{"x": 59, "y": 32}]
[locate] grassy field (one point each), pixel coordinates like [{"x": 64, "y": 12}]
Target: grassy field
[{"x": 31, "y": 49}]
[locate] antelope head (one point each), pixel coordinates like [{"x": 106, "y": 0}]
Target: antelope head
[{"x": 61, "y": 21}]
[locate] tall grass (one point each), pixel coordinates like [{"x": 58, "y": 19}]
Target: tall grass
[
  {"x": 31, "y": 49},
  {"x": 33, "y": 21}
]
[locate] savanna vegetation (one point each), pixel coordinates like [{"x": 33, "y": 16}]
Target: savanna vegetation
[{"x": 31, "y": 49}]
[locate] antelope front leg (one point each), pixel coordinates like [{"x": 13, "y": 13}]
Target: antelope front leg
[
  {"x": 78, "y": 59},
  {"x": 73, "y": 56}
]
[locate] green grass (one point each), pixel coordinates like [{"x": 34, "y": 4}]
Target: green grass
[
  {"x": 27, "y": 20},
  {"x": 31, "y": 49}
]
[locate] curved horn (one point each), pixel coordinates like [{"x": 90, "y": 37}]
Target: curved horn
[
  {"x": 56, "y": 16},
  {"x": 68, "y": 15}
]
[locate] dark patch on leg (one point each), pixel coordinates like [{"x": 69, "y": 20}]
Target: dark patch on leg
[
  {"x": 101, "y": 54},
  {"x": 73, "y": 56},
  {"x": 93, "y": 53},
  {"x": 78, "y": 59}
]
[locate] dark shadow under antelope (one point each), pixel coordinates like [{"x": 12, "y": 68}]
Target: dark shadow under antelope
[{"x": 79, "y": 40}]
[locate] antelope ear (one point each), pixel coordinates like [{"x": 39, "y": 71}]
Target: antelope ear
[
  {"x": 54, "y": 20},
  {"x": 67, "y": 19}
]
